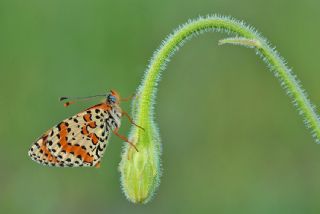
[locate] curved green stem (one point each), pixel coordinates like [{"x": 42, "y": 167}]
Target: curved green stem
[{"x": 140, "y": 171}]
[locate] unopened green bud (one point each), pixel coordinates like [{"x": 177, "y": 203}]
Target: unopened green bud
[{"x": 140, "y": 171}]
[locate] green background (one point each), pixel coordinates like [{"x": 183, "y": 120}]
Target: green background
[{"x": 232, "y": 141}]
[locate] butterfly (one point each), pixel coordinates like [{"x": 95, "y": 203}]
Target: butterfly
[{"x": 81, "y": 140}]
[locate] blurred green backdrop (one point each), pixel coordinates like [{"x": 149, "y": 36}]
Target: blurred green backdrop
[{"x": 232, "y": 142}]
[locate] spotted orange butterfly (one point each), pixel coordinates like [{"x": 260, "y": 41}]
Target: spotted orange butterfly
[{"x": 81, "y": 140}]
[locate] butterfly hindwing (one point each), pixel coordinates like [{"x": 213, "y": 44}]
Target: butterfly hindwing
[{"x": 77, "y": 141}]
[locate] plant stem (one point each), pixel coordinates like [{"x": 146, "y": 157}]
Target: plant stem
[{"x": 143, "y": 107}]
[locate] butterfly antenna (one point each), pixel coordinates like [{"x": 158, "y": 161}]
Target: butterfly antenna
[{"x": 76, "y": 99}]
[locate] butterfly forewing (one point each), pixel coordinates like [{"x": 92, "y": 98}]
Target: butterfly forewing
[{"x": 79, "y": 140}]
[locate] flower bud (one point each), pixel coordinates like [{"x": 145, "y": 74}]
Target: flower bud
[{"x": 140, "y": 170}]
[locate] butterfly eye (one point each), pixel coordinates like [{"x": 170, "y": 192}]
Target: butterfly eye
[{"x": 111, "y": 99}]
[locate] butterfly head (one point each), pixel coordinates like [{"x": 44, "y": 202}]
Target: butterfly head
[{"x": 113, "y": 97}]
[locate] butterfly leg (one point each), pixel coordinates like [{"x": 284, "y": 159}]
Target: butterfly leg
[
  {"x": 131, "y": 120},
  {"x": 115, "y": 131},
  {"x": 128, "y": 98}
]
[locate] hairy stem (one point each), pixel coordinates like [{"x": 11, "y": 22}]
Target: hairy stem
[{"x": 141, "y": 189}]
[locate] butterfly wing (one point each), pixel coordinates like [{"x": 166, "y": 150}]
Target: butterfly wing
[{"x": 79, "y": 140}]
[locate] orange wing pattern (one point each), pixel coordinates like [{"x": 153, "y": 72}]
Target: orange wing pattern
[{"x": 78, "y": 141}]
